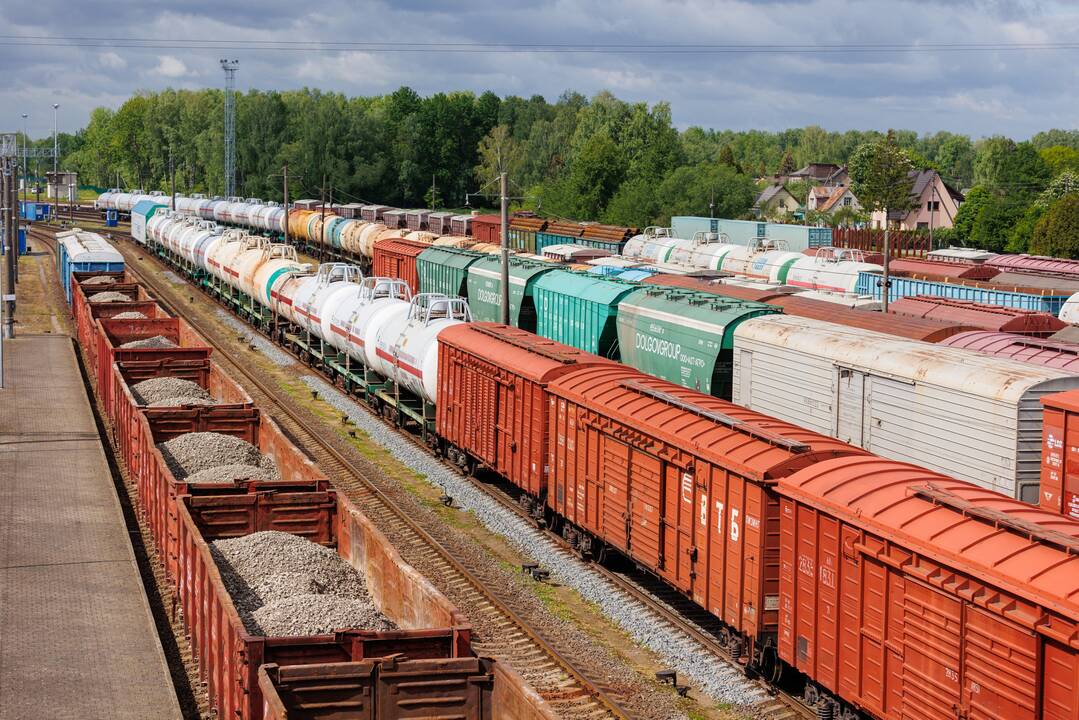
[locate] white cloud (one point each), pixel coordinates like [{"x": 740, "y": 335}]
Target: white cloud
[
  {"x": 111, "y": 61},
  {"x": 171, "y": 67}
]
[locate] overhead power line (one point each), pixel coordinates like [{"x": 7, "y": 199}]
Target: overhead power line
[{"x": 511, "y": 47}]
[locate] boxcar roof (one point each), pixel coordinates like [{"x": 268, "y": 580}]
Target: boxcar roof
[
  {"x": 755, "y": 446},
  {"x": 917, "y": 362},
  {"x": 1029, "y": 551},
  {"x": 525, "y": 353}
]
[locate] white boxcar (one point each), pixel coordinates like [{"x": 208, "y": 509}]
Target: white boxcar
[{"x": 971, "y": 416}]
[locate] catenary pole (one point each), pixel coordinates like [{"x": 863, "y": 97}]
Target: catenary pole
[{"x": 504, "y": 187}]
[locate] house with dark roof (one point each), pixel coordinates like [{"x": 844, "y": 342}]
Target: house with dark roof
[
  {"x": 822, "y": 174},
  {"x": 935, "y": 204},
  {"x": 773, "y": 201},
  {"x": 829, "y": 199}
]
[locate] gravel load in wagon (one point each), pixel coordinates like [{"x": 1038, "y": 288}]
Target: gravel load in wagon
[
  {"x": 100, "y": 280},
  {"x": 283, "y": 584},
  {"x": 195, "y": 452},
  {"x": 103, "y": 297},
  {"x": 231, "y": 473},
  {"x": 157, "y": 341},
  {"x": 169, "y": 391},
  {"x": 134, "y": 315}
]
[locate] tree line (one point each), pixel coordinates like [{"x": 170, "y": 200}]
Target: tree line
[{"x": 597, "y": 158}]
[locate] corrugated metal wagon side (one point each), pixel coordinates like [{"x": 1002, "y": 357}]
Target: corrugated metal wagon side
[
  {"x": 396, "y": 258},
  {"x": 492, "y": 401},
  {"x": 1060, "y": 454},
  {"x": 229, "y": 656},
  {"x": 908, "y": 594},
  {"x": 681, "y": 482}
]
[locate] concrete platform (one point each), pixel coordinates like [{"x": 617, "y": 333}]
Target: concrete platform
[{"x": 77, "y": 639}]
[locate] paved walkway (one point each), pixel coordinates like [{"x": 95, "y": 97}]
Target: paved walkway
[{"x": 77, "y": 639}]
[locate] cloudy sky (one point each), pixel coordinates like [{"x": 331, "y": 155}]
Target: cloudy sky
[{"x": 80, "y": 54}]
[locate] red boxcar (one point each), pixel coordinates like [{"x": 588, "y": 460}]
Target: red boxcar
[
  {"x": 492, "y": 400},
  {"x": 682, "y": 483},
  {"x": 487, "y": 229},
  {"x": 944, "y": 271},
  {"x": 396, "y": 258},
  {"x": 979, "y": 315},
  {"x": 908, "y": 594},
  {"x": 1060, "y": 454}
]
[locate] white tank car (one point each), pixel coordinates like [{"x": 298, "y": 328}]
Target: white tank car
[
  {"x": 209, "y": 233},
  {"x": 206, "y": 207},
  {"x": 1069, "y": 311},
  {"x": 172, "y": 232},
  {"x": 155, "y": 227},
  {"x": 280, "y": 263},
  {"x": 657, "y": 245},
  {"x": 242, "y": 269},
  {"x": 684, "y": 252},
  {"x": 282, "y": 297},
  {"x": 107, "y": 200},
  {"x": 355, "y": 323},
  {"x": 314, "y": 303},
  {"x": 740, "y": 259},
  {"x": 228, "y": 257},
  {"x": 407, "y": 345},
  {"x": 217, "y": 249},
  {"x": 830, "y": 270},
  {"x": 195, "y": 232}
]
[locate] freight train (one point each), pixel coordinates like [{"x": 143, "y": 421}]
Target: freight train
[{"x": 891, "y": 590}]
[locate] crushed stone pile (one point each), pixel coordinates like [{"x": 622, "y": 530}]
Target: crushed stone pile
[
  {"x": 191, "y": 453},
  {"x": 157, "y": 341},
  {"x": 231, "y": 473},
  {"x": 156, "y": 390},
  {"x": 131, "y": 315},
  {"x": 104, "y": 297},
  {"x": 284, "y": 584},
  {"x": 100, "y": 280}
]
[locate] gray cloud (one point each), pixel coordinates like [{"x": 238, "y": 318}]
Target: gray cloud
[{"x": 1002, "y": 91}]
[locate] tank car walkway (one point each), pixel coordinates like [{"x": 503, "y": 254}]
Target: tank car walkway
[{"x": 77, "y": 639}]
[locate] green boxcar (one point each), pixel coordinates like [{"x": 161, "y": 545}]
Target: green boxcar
[
  {"x": 579, "y": 309},
  {"x": 445, "y": 270},
  {"x": 485, "y": 289},
  {"x": 684, "y": 336}
]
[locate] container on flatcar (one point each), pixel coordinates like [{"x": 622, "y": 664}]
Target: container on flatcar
[
  {"x": 905, "y": 593},
  {"x": 229, "y": 655},
  {"x": 579, "y": 309},
  {"x": 985, "y": 317},
  {"x": 485, "y": 289},
  {"x": 492, "y": 401},
  {"x": 968, "y": 415},
  {"x": 445, "y": 270},
  {"x": 1041, "y": 300},
  {"x": 683, "y": 336},
  {"x": 681, "y": 482},
  {"x": 1060, "y": 454}
]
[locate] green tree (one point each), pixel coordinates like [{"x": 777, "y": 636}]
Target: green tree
[
  {"x": 499, "y": 152},
  {"x": 955, "y": 160},
  {"x": 1064, "y": 184},
  {"x": 1060, "y": 158},
  {"x": 786, "y": 165},
  {"x": 880, "y": 174},
  {"x": 1023, "y": 231},
  {"x": 1002, "y": 165},
  {"x": 635, "y": 204},
  {"x": 592, "y": 180},
  {"x": 726, "y": 156},
  {"x": 690, "y": 189},
  {"x": 1057, "y": 233},
  {"x": 995, "y": 222},
  {"x": 975, "y": 202}
]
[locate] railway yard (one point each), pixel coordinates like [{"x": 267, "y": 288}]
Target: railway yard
[{"x": 618, "y": 505}]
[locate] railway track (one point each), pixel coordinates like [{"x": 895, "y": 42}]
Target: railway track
[
  {"x": 566, "y": 686},
  {"x": 664, "y": 605}
]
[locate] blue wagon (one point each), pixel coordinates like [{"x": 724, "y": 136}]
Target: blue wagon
[
  {"x": 869, "y": 284},
  {"x": 82, "y": 251}
]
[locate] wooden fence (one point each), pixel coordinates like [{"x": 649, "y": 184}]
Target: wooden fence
[{"x": 904, "y": 243}]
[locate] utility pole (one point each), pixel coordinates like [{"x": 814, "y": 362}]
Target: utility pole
[
  {"x": 11, "y": 243},
  {"x": 284, "y": 174},
  {"x": 885, "y": 282},
  {"x": 55, "y": 147},
  {"x": 172, "y": 175},
  {"x": 25, "y": 151},
  {"x": 503, "y": 185},
  {"x": 322, "y": 206},
  {"x": 932, "y": 212},
  {"x": 230, "y": 67},
  {"x": 5, "y": 311},
  {"x": 433, "y": 190}
]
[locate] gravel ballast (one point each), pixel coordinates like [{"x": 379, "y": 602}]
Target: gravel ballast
[
  {"x": 104, "y": 297},
  {"x": 155, "y": 391},
  {"x": 100, "y": 280},
  {"x": 231, "y": 473},
  {"x": 157, "y": 341},
  {"x": 283, "y": 584},
  {"x": 272, "y": 353},
  {"x": 131, "y": 315},
  {"x": 194, "y": 452},
  {"x": 712, "y": 675}
]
